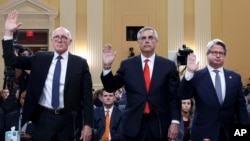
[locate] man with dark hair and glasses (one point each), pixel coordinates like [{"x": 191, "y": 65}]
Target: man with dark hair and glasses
[
  {"x": 59, "y": 89},
  {"x": 219, "y": 101}
]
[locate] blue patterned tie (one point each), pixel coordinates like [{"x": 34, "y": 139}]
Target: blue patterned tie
[
  {"x": 56, "y": 83},
  {"x": 218, "y": 86}
]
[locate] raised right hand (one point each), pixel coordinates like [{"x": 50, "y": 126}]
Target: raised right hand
[
  {"x": 11, "y": 23},
  {"x": 108, "y": 56},
  {"x": 192, "y": 64}
]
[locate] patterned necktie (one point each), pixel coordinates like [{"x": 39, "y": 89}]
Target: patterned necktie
[
  {"x": 105, "y": 136},
  {"x": 218, "y": 86},
  {"x": 146, "y": 73},
  {"x": 56, "y": 83}
]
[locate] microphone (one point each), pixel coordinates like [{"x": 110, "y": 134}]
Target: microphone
[{"x": 74, "y": 114}]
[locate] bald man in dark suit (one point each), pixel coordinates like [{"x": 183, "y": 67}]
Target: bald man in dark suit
[{"x": 62, "y": 118}]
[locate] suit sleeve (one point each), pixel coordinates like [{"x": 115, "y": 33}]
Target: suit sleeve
[
  {"x": 113, "y": 82},
  {"x": 174, "y": 101},
  {"x": 8, "y": 53},
  {"x": 185, "y": 90},
  {"x": 87, "y": 97},
  {"x": 10, "y": 58}
]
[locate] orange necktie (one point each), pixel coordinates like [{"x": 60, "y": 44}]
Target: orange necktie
[
  {"x": 105, "y": 136},
  {"x": 146, "y": 73}
]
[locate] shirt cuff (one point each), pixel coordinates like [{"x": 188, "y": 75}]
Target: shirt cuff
[
  {"x": 175, "y": 121},
  {"x": 189, "y": 75},
  {"x": 7, "y": 37}
]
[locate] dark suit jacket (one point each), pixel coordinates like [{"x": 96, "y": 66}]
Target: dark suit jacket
[
  {"x": 162, "y": 95},
  {"x": 115, "y": 123},
  {"x": 1, "y": 121},
  {"x": 77, "y": 89},
  {"x": 209, "y": 115}
]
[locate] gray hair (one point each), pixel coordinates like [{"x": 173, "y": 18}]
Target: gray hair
[
  {"x": 65, "y": 29},
  {"x": 147, "y": 28},
  {"x": 216, "y": 42}
]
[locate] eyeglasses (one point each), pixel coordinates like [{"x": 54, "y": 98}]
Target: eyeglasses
[
  {"x": 62, "y": 38},
  {"x": 215, "y": 53},
  {"x": 143, "y": 38}
]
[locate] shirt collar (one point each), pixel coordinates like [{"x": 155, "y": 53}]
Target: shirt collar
[
  {"x": 110, "y": 109},
  {"x": 64, "y": 55},
  {"x": 211, "y": 69},
  {"x": 151, "y": 58}
]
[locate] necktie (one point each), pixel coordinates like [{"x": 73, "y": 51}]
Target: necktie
[
  {"x": 105, "y": 136},
  {"x": 146, "y": 73},
  {"x": 56, "y": 83},
  {"x": 218, "y": 86}
]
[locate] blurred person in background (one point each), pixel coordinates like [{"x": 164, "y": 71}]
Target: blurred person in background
[{"x": 187, "y": 107}]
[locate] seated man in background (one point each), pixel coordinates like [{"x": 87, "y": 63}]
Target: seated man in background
[
  {"x": 9, "y": 107},
  {"x": 13, "y": 119},
  {"x": 107, "y": 119}
]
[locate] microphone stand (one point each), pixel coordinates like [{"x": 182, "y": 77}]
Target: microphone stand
[
  {"x": 74, "y": 113},
  {"x": 159, "y": 122}
]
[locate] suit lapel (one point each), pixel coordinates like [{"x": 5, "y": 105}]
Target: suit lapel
[
  {"x": 45, "y": 65},
  {"x": 139, "y": 72},
  {"x": 228, "y": 83},
  {"x": 70, "y": 65},
  {"x": 113, "y": 117},
  {"x": 210, "y": 86},
  {"x": 102, "y": 115},
  {"x": 156, "y": 69}
]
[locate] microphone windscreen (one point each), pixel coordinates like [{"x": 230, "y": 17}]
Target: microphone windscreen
[{"x": 74, "y": 113}]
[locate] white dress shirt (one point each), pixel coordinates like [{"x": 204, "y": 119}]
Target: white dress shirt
[
  {"x": 189, "y": 76},
  {"x": 46, "y": 96}
]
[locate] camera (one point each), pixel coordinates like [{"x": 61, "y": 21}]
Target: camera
[
  {"x": 182, "y": 55},
  {"x": 131, "y": 52},
  {"x": 246, "y": 90}
]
